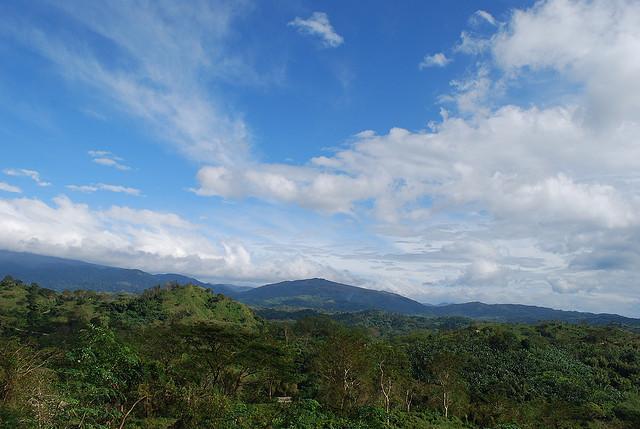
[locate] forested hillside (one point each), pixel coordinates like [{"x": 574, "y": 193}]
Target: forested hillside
[{"x": 184, "y": 357}]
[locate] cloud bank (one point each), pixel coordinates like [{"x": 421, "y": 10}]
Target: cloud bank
[
  {"x": 561, "y": 177},
  {"x": 139, "y": 238}
]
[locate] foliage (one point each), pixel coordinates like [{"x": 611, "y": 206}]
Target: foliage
[{"x": 183, "y": 357}]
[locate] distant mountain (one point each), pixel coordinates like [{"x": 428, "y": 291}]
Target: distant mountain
[
  {"x": 517, "y": 313},
  {"x": 59, "y": 274},
  {"x": 314, "y": 294},
  {"x": 326, "y": 295}
]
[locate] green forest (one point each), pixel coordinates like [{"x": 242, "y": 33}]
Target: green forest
[{"x": 185, "y": 357}]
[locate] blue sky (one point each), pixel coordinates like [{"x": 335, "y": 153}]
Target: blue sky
[{"x": 448, "y": 152}]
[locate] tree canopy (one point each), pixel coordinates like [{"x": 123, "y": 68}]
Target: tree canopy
[{"x": 183, "y": 357}]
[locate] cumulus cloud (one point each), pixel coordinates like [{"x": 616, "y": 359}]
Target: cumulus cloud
[
  {"x": 512, "y": 161},
  {"x": 560, "y": 199},
  {"x": 330, "y": 193},
  {"x": 318, "y": 25},
  {"x": 593, "y": 43},
  {"x": 23, "y": 172},
  {"x": 550, "y": 186},
  {"x": 108, "y": 159},
  {"x": 473, "y": 94},
  {"x": 104, "y": 187},
  {"x": 145, "y": 239},
  {"x": 435, "y": 60}
]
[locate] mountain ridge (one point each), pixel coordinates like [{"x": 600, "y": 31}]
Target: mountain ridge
[
  {"x": 315, "y": 294},
  {"x": 295, "y": 298},
  {"x": 57, "y": 273},
  {"x": 328, "y": 295}
]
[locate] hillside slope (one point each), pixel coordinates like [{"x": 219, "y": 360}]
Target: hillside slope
[
  {"x": 30, "y": 305},
  {"x": 192, "y": 303}
]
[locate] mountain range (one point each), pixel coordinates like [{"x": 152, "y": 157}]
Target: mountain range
[
  {"x": 60, "y": 273},
  {"x": 321, "y": 294},
  {"x": 315, "y": 294}
]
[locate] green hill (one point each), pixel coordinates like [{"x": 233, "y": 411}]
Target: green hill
[
  {"x": 189, "y": 303},
  {"x": 24, "y": 305}
]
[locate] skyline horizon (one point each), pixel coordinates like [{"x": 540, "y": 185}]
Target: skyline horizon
[{"x": 217, "y": 282}]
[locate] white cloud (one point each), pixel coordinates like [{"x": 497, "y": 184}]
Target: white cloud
[
  {"x": 473, "y": 94},
  {"x": 104, "y": 187},
  {"x": 500, "y": 200},
  {"x": 552, "y": 189},
  {"x": 483, "y": 15},
  {"x": 22, "y": 172},
  {"x": 479, "y": 272},
  {"x": 159, "y": 54},
  {"x": 109, "y": 162},
  {"x": 513, "y": 160},
  {"x": 472, "y": 45},
  {"x": 308, "y": 187},
  {"x": 4, "y": 186},
  {"x": 100, "y": 153},
  {"x": 318, "y": 25},
  {"x": 592, "y": 43},
  {"x": 435, "y": 60},
  {"x": 144, "y": 239},
  {"x": 560, "y": 199},
  {"x": 108, "y": 159}
]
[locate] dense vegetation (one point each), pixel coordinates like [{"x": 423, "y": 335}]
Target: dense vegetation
[{"x": 184, "y": 357}]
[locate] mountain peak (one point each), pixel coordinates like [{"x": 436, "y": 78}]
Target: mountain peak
[{"x": 328, "y": 295}]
